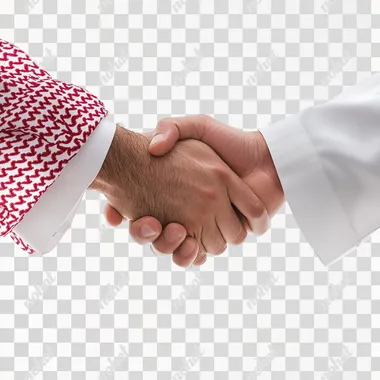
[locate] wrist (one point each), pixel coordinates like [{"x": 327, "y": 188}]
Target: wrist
[
  {"x": 266, "y": 182},
  {"x": 123, "y": 167},
  {"x": 268, "y": 164},
  {"x": 105, "y": 177}
]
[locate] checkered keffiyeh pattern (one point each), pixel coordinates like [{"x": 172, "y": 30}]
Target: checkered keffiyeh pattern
[{"x": 43, "y": 124}]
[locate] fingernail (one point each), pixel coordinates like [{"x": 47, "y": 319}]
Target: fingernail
[
  {"x": 156, "y": 139},
  {"x": 152, "y": 249},
  {"x": 147, "y": 231}
]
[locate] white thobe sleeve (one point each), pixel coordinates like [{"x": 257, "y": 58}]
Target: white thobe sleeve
[
  {"x": 328, "y": 161},
  {"x": 48, "y": 220}
]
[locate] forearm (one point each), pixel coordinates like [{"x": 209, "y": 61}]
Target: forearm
[
  {"x": 105, "y": 179},
  {"x": 124, "y": 172}
]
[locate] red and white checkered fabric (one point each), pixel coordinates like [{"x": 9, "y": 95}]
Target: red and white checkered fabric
[{"x": 43, "y": 124}]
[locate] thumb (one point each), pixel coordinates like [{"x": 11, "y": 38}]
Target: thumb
[
  {"x": 164, "y": 138},
  {"x": 200, "y": 127}
]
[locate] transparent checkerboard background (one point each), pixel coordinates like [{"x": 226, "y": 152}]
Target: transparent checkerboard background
[{"x": 214, "y": 329}]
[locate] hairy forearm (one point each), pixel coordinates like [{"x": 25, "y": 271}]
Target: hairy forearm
[
  {"x": 134, "y": 182},
  {"x": 102, "y": 179},
  {"x": 124, "y": 168}
]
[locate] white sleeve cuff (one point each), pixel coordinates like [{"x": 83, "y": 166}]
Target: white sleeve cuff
[
  {"x": 315, "y": 205},
  {"x": 49, "y": 219}
]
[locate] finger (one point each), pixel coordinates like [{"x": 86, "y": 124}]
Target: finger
[
  {"x": 242, "y": 219},
  {"x": 165, "y": 137},
  {"x": 245, "y": 223},
  {"x": 145, "y": 230},
  {"x": 112, "y": 216},
  {"x": 201, "y": 256},
  {"x": 231, "y": 226},
  {"x": 225, "y": 140},
  {"x": 170, "y": 239},
  {"x": 186, "y": 253},
  {"x": 248, "y": 204},
  {"x": 169, "y": 131},
  {"x": 213, "y": 240},
  {"x": 200, "y": 259}
]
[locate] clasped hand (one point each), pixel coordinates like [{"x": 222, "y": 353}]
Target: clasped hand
[{"x": 189, "y": 198}]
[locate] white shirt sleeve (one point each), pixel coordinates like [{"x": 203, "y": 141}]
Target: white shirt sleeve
[
  {"x": 49, "y": 219},
  {"x": 328, "y": 161}
]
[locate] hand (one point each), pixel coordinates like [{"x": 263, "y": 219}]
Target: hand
[
  {"x": 191, "y": 186},
  {"x": 171, "y": 240},
  {"x": 245, "y": 152}
]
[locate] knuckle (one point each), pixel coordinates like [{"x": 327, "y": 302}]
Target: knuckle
[
  {"x": 204, "y": 118},
  {"x": 211, "y": 194},
  {"x": 222, "y": 172}
]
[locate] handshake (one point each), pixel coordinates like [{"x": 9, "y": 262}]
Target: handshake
[{"x": 190, "y": 197}]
